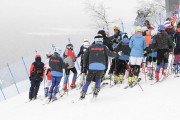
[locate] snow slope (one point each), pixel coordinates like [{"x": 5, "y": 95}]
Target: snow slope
[{"x": 157, "y": 102}]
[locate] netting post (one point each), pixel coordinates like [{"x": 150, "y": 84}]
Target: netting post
[{"x": 2, "y": 91}]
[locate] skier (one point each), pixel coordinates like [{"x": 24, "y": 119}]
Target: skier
[
  {"x": 163, "y": 44},
  {"x": 36, "y": 76},
  {"x": 94, "y": 60},
  {"x": 148, "y": 25},
  {"x": 122, "y": 61},
  {"x": 57, "y": 65},
  {"x": 137, "y": 44},
  {"x": 176, "y": 64},
  {"x": 69, "y": 58},
  {"x": 169, "y": 28},
  {"x": 83, "y": 48},
  {"x": 48, "y": 74}
]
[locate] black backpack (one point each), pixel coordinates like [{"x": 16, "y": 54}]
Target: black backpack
[{"x": 38, "y": 69}]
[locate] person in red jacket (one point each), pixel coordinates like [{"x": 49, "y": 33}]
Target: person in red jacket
[{"x": 36, "y": 76}]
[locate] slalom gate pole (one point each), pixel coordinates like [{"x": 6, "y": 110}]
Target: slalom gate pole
[
  {"x": 2, "y": 92},
  {"x": 13, "y": 78}
]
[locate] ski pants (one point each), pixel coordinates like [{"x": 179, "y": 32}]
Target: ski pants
[
  {"x": 121, "y": 67},
  {"x": 34, "y": 88},
  {"x": 162, "y": 59},
  {"x": 93, "y": 75},
  {"x": 55, "y": 84},
  {"x": 67, "y": 71}
]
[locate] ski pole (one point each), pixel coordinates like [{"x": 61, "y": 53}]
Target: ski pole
[
  {"x": 122, "y": 24},
  {"x": 140, "y": 86}
]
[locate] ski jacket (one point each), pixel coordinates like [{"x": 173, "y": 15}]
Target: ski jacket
[
  {"x": 56, "y": 64},
  {"x": 137, "y": 44},
  {"x": 95, "y": 56},
  {"x": 177, "y": 38},
  {"x": 162, "y": 42},
  {"x": 69, "y": 58},
  {"x": 81, "y": 53},
  {"x": 147, "y": 36},
  {"x": 124, "y": 47},
  {"x": 170, "y": 31}
]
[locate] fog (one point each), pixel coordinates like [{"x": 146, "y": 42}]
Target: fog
[{"x": 28, "y": 25}]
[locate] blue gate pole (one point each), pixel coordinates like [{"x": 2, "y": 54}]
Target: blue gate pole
[
  {"x": 122, "y": 24},
  {"x": 13, "y": 78},
  {"x": 25, "y": 66},
  {"x": 74, "y": 53},
  {"x": 2, "y": 91}
]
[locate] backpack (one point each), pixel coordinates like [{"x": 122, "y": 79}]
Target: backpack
[{"x": 38, "y": 69}]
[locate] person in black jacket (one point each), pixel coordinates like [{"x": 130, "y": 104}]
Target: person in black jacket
[
  {"x": 83, "y": 48},
  {"x": 57, "y": 65},
  {"x": 176, "y": 64},
  {"x": 163, "y": 45},
  {"x": 95, "y": 60},
  {"x": 36, "y": 76}
]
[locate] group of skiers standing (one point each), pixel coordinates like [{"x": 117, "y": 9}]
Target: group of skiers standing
[{"x": 141, "y": 50}]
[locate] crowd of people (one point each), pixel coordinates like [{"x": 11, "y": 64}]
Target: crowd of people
[{"x": 146, "y": 51}]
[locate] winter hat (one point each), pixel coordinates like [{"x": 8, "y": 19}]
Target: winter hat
[
  {"x": 138, "y": 29},
  {"x": 48, "y": 54},
  {"x": 167, "y": 24},
  {"x": 161, "y": 28},
  {"x": 37, "y": 56},
  {"x": 147, "y": 22},
  {"x": 102, "y": 32},
  {"x": 98, "y": 38},
  {"x": 144, "y": 28},
  {"x": 57, "y": 50}
]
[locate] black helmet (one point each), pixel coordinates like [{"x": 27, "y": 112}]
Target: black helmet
[{"x": 69, "y": 46}]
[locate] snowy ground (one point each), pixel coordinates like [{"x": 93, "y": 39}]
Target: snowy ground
[{"x": 157, "y": 102}]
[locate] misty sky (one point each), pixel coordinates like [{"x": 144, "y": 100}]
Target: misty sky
[{"x": 26, "y": 23}]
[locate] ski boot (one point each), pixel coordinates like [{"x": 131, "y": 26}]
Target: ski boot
[
  {"x": 83, "y": 94},
  {"x": 130, "y": 82},
  {"x": 164, "y": 72},
  {"x": 46, "y": 91},
  {"x": 115, "y": 79},
  {"x": 73, "y": 84},
  {"x": 65, "y": 87},
  {"x": 96, "y": 91},
  {"x": 157, "y": 75},
  {"x": 121, "y": 78}
]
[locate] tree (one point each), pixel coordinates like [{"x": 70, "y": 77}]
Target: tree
[
  {"x": 153, "y": 10},
  {"x": 99, "y": 14}
]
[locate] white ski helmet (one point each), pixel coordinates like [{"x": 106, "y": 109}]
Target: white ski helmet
[
  {"x": 144, "y": 28},
  {"x": 98, "y": 38},
  {"x": 86, "y": 43},
  {"x": 57, "y": 50}
]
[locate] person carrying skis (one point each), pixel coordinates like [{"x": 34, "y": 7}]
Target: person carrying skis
[
  {"x": 176, "y": 64},
  {"x": 36, "y": 76},
  {"x": 137, "y": 44},
  {"x": 94, "y": 60},
  {"x": 48, "y": 75},
  {"x": 163, "y": 45},
  {"x": 69, "y": 58},
  {"x": 57, "y": 65},
  {"x": 122, "y": 61},
  {"x": 83, "y": 48}
]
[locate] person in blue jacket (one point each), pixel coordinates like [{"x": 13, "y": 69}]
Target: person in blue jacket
[{"x": 137, "y": 44}]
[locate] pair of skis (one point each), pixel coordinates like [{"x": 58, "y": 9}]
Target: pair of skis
[{"x": 134, "y": 84}]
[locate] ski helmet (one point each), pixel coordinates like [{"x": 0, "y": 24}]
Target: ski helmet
[
  {"x": 144, "y": 28},
  {"x": 86, "y": 43},
  {"x": 69, "y": 46},
  {"x": 98, "y": 38},
  {"x": 57, "y": 50},
  {"x": 138, "y": 29}
]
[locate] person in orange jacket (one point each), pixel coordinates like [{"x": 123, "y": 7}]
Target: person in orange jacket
[{"x": 36, "y": 76}]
